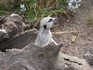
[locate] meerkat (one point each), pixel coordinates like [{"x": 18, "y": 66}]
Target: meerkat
[{"x": 44, "y": 36}]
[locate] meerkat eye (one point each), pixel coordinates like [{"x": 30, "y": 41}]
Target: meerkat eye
[
  {"x": 45, "y": 26},
  {"x": 50, "y": 20}
]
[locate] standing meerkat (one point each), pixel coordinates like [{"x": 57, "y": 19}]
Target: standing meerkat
[{"x": 44, "y": 36}]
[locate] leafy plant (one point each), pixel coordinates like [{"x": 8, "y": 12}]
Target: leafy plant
[
  {"x": 39, "y": 8},
  {"x": 3, "y": 9},
  {"x": 36, "y": 8}
]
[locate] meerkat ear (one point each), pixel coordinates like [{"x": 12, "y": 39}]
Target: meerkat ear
[{"x": 45, "y": 26}]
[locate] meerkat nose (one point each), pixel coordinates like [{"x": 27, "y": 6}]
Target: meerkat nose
[{"x": 55, "y": 20}]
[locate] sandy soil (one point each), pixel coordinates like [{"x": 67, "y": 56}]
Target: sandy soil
[{"x": 77, "y": 43}]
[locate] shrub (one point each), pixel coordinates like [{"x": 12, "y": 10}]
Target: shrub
[{"x": 36, "y": 8}]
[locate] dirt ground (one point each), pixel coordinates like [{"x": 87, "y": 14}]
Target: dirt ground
[{"x": 77, "y": 43}]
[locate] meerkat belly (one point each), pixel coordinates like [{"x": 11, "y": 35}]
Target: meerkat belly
[{"x": 43, "y": 39}]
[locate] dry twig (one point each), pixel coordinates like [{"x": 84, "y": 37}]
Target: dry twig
[{"x": 62, "y": 32}]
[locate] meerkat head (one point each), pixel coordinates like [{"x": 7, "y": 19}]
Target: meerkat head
[{"x": 47, "y": 22}]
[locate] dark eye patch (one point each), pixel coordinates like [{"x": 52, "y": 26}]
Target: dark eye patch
[
  {"x": 50, "y": 20},
  {"x": 45, "y": 26}
]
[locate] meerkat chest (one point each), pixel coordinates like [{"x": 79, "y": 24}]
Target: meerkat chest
[{"x": 43, "y": 39}]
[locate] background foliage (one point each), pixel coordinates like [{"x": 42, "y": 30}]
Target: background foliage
[{"x": 34, "y": 8}]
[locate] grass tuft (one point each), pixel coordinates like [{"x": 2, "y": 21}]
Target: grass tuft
[{"x": 35, "y": 8}]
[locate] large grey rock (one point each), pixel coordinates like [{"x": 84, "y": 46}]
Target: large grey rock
[
  {"x": 89, "y": 56},
  {"x": 30, "y": 58},
  {"x": 35, "y": 58},
  {"x": 3, "y": 35},
  {"x": 67, "y": 62},
  {"x": 21, "y": 40},
  {"x": 9, "y": 27},
  {"x": 14, "y": 25}
]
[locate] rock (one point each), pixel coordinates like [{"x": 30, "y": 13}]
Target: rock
[
  {"x": 14, "y": 25},
  {"x": 9, "y": 27},
  {"x": 89, "y": 56},
  {"x": 21, "y": 40},
  {"x": 2, "y": 20},
  {"x": 3, "y": 35},
  {"x": 20, "y": 66},
  {"x": 30, "y": 58},
  {"x": 33, "y": 57},
  {"x": 66, "y": 62}
]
